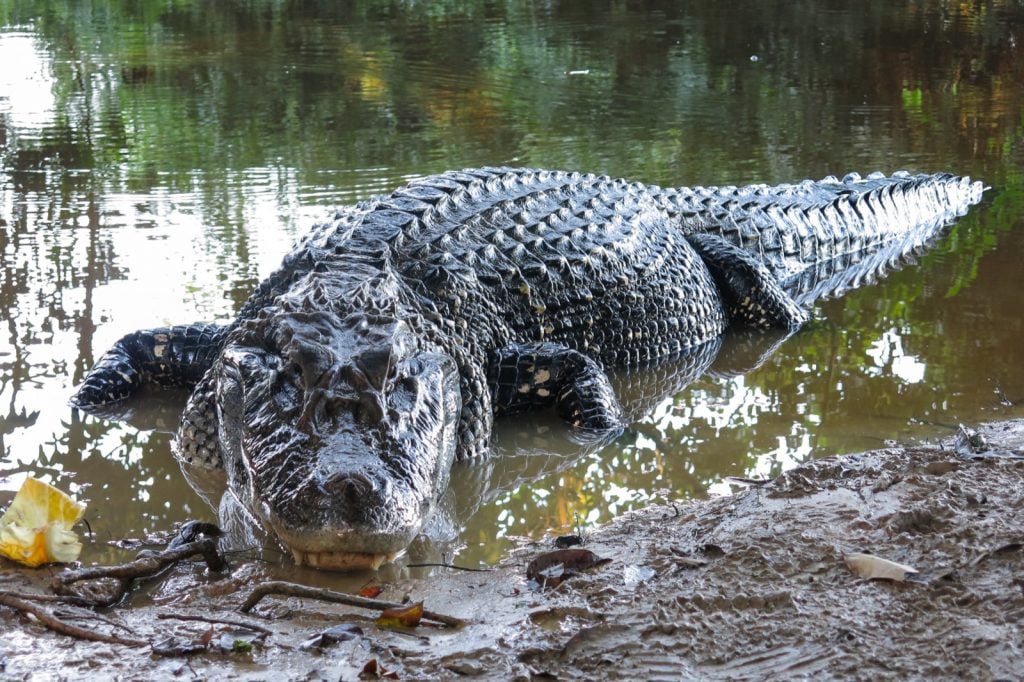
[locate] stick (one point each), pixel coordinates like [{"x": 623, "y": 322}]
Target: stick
[
  {"x": 147, "y": 565},
  {"x": 293, "y": 590},
  {"x": 216, "y": 621},
  {"x": 91, "y": 616},
  {"x": 57, "y": 625},
  {"x": 452, "y": 566},
  {"x": 143, "y": 567}
]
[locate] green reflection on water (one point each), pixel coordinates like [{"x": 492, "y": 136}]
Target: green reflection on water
[{"x": 156, "y": 159}]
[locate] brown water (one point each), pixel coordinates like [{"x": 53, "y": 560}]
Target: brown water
[{"x": 157, "y": 159}]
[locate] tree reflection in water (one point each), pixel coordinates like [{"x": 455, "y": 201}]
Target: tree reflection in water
[{"x": 157, "y": 159}]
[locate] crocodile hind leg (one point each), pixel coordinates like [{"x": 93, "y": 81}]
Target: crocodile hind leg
[
  {"x": 523, "y": 376},
  {"x": 752, "y": 293},
  {"x": 165, "y": 356}
]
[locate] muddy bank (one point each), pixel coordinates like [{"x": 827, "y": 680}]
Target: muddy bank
[{"x": 748, "y": 586}]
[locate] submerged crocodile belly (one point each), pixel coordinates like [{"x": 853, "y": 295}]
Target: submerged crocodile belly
[{"x": 383, "y": 348}]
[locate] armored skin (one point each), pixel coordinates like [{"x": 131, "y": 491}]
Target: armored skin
[{"x": 391, "y": 337}]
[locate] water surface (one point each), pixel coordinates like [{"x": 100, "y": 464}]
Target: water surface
[{"x": 157, "y": 159}]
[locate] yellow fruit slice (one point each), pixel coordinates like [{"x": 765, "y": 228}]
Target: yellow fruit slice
[{"x": 36, "y": 528}]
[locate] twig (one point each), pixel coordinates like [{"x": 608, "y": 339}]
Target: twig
[
  {"x": 146, "y": 565},
  {"x": 71, "y": 599},
  {"x": 57, "y": 625},
  {"x": 740, "y": 480},
  {"x": 457, "y": 568},
  {"x": 216, "y": 621},
  {"x": 293, "y": 590}
]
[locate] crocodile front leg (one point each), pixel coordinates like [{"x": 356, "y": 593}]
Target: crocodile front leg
[
  {"x": 196, "y": 443},
  {"x": 524, "y": 376},
  {"x": 165, "y": 356}
]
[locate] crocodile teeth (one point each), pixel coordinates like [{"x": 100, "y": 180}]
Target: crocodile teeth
[{"x": 340, "y": 561}]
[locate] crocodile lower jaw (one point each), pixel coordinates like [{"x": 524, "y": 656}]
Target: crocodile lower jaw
[{"x": 340, "y": 561}]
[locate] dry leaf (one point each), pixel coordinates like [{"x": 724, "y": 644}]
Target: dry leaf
[
  {"x": 551, "y": 568},
  {"x": 374, "y": 671},
  {"x": 36, "y": 528},
  {"x": 207, "y": 637},
  {"x": 872, "y": 567},
  {"x": 408, "y": 617}
]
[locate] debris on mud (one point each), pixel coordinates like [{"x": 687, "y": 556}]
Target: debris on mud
[
  {"x": 876, "y": 568},
  {"x": 753, "y": 585}
]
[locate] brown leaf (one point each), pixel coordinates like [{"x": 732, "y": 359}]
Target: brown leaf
[
  {"x": 370, "y": 670},
  {"x": 371, "y": 591},
  {"x": 712, "y": 551},
  {"x": 374, "y": 671},
  {"x": 551, "y": 568},
  {"x": 207, "y": 637},
  {"x": 408, "y": 617}
]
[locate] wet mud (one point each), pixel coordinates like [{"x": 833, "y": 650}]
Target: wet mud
[{"x": 748, "y": 586}]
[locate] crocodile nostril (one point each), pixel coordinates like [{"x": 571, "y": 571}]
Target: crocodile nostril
[{"x": 350, "y": 486}]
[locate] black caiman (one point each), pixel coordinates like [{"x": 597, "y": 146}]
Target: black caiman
[{"x": 391, "y": 336}]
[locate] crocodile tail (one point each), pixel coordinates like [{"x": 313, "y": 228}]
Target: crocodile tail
[
  {"x": 903, "y": 214},
  {"x": 824, "y": 237},
  {"x": 840, "y": 217},
  {"x": 113, "y": 378},
  {"x": 165, "y": 356}
]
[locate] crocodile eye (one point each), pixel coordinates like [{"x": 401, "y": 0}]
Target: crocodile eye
[
  {"x": 402, "y": 396},
  {"x": 288, "y": 391}
]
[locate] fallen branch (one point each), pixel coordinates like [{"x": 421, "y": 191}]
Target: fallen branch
[
  {"x": 110, "y": 584},
  {"x": 216, "y": 621},
  {"x": 293, "y": 590},
  {"x": 57, "y": 625},
  {"x": 452, "y": 566}
]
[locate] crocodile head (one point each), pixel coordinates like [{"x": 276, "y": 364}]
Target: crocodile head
[{"x": 338, "y": 434}]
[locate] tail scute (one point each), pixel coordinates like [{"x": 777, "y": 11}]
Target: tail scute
[{"x": 813, "y": 231}]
